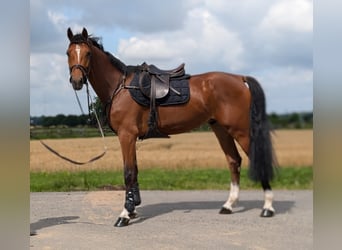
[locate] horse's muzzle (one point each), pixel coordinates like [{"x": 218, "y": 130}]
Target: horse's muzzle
[
  {"x": 77, "y": 79},
  {"x": 77, "y": 84}
]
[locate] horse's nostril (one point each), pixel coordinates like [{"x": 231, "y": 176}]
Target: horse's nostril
[
  {"x": 76, "y": 84},
  {"x": 82, "y": 80}
]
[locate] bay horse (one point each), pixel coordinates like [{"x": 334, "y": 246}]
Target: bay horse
[{"x": 233, "y": 105}]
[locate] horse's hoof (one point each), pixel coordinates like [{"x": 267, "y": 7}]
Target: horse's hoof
[
  {"x": 121, "y": 222},
  {"x": 266, "y": 213},
  {"x": 225, "y": 211}
]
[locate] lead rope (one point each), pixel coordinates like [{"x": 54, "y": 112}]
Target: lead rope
[{"x": 90, "y": 105}]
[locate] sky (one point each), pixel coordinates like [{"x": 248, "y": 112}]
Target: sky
[{"x": 270, "y": 40}]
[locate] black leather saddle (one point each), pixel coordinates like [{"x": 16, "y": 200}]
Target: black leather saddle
[
  {"x": 159, "y": 80},
  {"x": 154, "y": 87}
]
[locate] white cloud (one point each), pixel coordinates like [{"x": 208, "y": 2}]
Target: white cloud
[
  {"x": 218, "y": 42},
  {"x": 56, "y": 18},
  {"x": 149, "y": 47},
  {"x": 203, "y": 39},
  {"x": 287, "y": 89},
  {"x": 289, "y": 15},
  {"x": 283, "y": 37},
  {"x": 47, "y": 69}
]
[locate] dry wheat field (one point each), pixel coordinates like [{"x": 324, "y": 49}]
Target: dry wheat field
[{"x": 293, "y": 148}]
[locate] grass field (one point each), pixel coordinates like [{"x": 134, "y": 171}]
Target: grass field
[
  {"x": 294, "y": 148},
  {"x": 164, "y": 179},
  {"x": 186, "y": 161}
]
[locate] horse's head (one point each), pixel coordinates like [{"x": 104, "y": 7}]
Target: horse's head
[{"x": 78, "y": 58}]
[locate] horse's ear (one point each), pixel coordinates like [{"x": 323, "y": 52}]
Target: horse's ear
[
  {"x": 70, "y": 34},
  {"x": 85, "y": 33}
]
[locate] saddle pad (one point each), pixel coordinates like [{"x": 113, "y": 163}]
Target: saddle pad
[{"x": 180, "y": 84}]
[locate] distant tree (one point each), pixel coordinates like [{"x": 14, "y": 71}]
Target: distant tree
[
  {"x": 99, "y": 109},
  {"x": 60, "y": 119},
  {"x": 72, "y": 120},
  {"x": 274, "y": 120},
  {"x": 308, "y": 118},
  {"x": 48, "y": 121}
]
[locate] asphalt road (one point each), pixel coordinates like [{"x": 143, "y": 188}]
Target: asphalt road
[{"x": 170, "y": 220}]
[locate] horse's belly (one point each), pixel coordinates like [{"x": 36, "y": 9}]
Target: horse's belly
[{"x": 180, "y": 119}]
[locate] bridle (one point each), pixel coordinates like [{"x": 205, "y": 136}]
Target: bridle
[{"x": 84, "y": 70}]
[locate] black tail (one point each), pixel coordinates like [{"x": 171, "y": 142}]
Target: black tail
[{"x": 261, "y": 156}]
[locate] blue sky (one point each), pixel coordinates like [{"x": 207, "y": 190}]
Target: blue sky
[{"x": 269, "y": 39}]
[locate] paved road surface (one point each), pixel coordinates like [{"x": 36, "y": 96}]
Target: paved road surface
[{"x": 170, "y": 220}]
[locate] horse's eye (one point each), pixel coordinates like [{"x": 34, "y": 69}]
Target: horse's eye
[
  {"x": 88, "y": 54},
  {"x": 67, "y": 53}
]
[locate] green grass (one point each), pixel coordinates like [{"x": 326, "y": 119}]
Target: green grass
[
  {"x": 162, "y": 179},
  {"x": 66, "y": 132}
]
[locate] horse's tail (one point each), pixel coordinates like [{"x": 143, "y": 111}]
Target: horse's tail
[{"x": 261, "y": 155}]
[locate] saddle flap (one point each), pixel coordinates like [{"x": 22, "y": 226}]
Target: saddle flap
[
  {"x": 162, "y": 85},
  {"x": 179, "y": 92}
]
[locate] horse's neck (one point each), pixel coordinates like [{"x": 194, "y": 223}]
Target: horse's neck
[{"x": 103, "y": 76}]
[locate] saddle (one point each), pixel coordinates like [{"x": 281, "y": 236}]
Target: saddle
[
  {"x": 157, "y": 88},
  {"x": 159, "y": 79}
]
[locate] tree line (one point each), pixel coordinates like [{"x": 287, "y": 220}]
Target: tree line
[
  {"x": 295, "y": 120},
  {"x": 59, "y": 120}
]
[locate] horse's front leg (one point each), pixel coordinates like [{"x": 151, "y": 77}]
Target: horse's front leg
[{"x": 132, "y": 198}]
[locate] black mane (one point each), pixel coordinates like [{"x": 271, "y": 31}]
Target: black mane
[{"x": 96, "y": 41}]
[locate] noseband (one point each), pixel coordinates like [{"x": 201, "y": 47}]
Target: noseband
[{"x": 84, "y": 71}]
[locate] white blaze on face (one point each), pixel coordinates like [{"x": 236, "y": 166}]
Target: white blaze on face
[{"x": 78, "y": 51}]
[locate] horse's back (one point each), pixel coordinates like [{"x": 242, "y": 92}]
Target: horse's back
[{"x": 230, "y": 88}]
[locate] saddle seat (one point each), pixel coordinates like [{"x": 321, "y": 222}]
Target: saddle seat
[{"x": 179, "y": 71}]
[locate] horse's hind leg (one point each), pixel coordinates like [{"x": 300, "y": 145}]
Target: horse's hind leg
[
  {"x": 234, "y": 160},
  {"x": 268, "y": 210}
]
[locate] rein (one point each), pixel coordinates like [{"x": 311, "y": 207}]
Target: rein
[{"x": 90, "y": 105}]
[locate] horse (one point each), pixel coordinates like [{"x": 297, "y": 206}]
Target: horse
[{"x": 233, "y": 105}]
